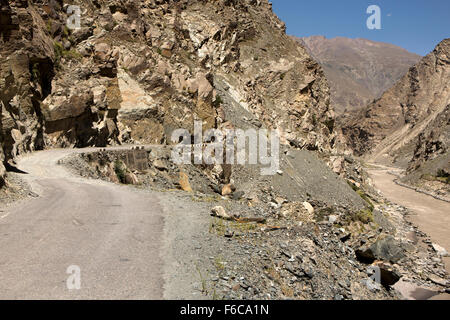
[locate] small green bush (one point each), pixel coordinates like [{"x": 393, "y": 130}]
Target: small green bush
[
  {"x": 60, "y": 53},
  {"x": 72, "y": 54},
  {"x": 365, "y": 216},
  {"x": 35, "y": 73},
  {"x": 441, "y": 173},
  {"x": 218, "y": 101},
  {"x": 120, "y": 170}
]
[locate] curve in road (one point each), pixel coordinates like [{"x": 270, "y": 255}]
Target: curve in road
[{"x": 112, "y": 233}]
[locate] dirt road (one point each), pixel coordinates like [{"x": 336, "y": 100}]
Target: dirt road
[
  {"x": 116, "y": 235},
  {"x": 432, "y": 216}
]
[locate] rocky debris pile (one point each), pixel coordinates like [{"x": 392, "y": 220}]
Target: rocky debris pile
[
  {"x": 293, "y": 261},
  {"x": 16, "y": 189},
  {"x": 303, "y": 248},
  {"x": 402, "y": 249},
  {"x": 158, "y": 171},
  {"x": 324, "y": 258},
  {"x": 273, "y": 194},
  {"x": 347, "y": 167}
]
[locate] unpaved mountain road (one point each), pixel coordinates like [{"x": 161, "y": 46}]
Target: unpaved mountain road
[
  {"x": 115, "y": 234},
  {"x": 431, "y": 215}
]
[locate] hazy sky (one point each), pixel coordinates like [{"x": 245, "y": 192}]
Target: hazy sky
[{"x": 416, "y": 25}]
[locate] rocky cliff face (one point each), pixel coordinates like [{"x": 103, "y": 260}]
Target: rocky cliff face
[
  {"x": 432, "y": 150},
  {"x": 358, "y": 70},
  {"x": 36, "y": 58},
  {"x": 25, "y": 74},
  {"x": 390, "y": 127},
  {"x": 136, "y": 70}
]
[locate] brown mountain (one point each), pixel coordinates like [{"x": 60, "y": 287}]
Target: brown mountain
[
  {"x": 409, "y": 124},
  {"x": 358, "y": 70}
]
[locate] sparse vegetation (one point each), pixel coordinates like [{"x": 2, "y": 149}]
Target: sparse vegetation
[
  {"x": 330, "y": 124},
  {"x": 120, "y": 170},
  {"x": 60, "y": 53},
  {"x": 218, "y": 101},
  {"x": 58, "y": 49},
  {"x": 202, "y": 280},
  {"x": 220, "y": 226},
  {"x": 219, "y": 263},
  {"x": 365, "y": 197},
  {"x": 365, "y": 216},
  {"x": 66, "y": 31},
  {"x": 443, "y": 176},
  {"x": 35, "y": 73},
  {"x": 362, "y": 194},
  {"x": 72, "y": 54},
  {"x": 49, "y": 25},
  {"x": 314, "y": 120}
]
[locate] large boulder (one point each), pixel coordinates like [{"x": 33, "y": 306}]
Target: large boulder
[
  {"x": 388, "y": 275},
  {"x": 385, "y": 249}
]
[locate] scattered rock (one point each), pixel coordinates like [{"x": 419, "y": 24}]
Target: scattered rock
[
  {"x": 388, "y": 275},
  {"x": 438, "y": 280},
  {"x": 184, "y": 182},
  {"x": 308, "y": 207},
  {"x": 440, "y": 250},
  {"x": 386, "y": 249},
  {"x": 227, "y": 189},
  {"x": 220, "y": 212},
  {"x": 238, "y": 195},
  {"x": 371, "y": 285},
  {"x": 131, "y": 178},
  {"x": 332, "y": 219},
  {"x": 160, "y": 165}
]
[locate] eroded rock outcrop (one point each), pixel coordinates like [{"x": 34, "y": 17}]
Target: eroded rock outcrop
[
  {"x": 217, "y": 61},
  {"x": 433, "y": 144},
  {"x": 47, "y": 95},
  {"x": 26, "y": 66},
  {"x": 136, "y": 70},
  {"x": 429, "y": 168},
  {"x": 389, "y": 127}
]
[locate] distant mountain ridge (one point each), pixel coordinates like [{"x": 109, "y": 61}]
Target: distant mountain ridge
[{"x": 358, "y": 70}]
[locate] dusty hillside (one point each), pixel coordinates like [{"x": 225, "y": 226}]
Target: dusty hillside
[
  {"x": 136, "y": 70},
  {"x": 389, "y": 128},
  {"x": 358, "y": 70},
  {"x": 429, "y": 168},
  {"x": 433, "y": 143}
]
